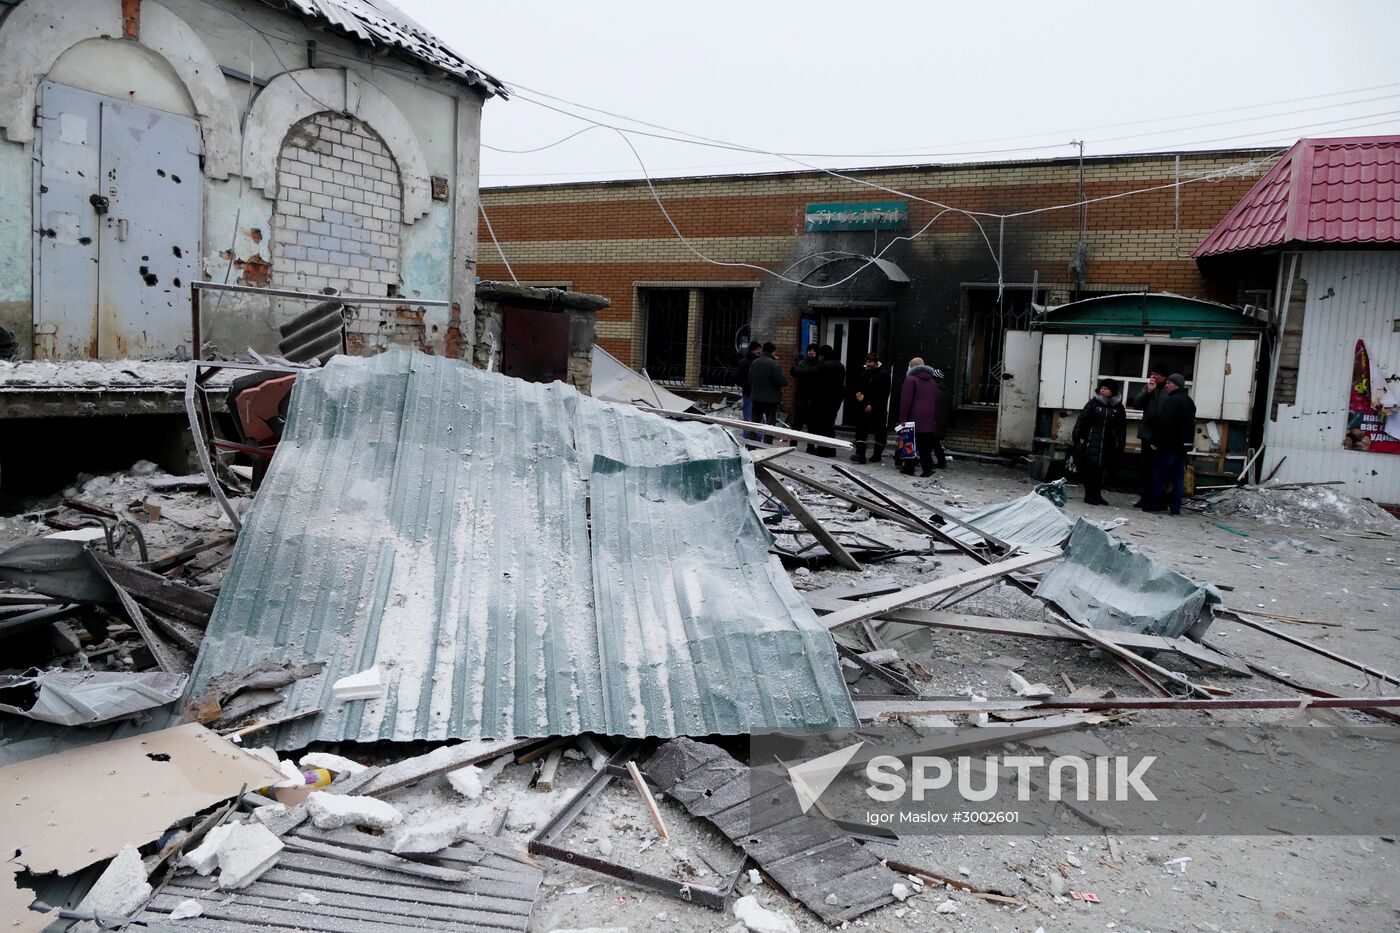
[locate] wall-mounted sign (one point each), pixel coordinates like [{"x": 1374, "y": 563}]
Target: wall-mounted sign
[
  {"x": 866, "y": 215},
  {"x": 1373, "y": 415}
]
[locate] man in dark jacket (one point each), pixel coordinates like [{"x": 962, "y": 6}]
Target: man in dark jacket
[
  {"x": 1174, "y": 436},
  {"x": 1099, "y": 436},
  {"x": 872, "y": 402},
  {"x": 802, "y": 389},
  {"x": 741, "y": 379},
  {"x": 920, "y": 399},
  {"x": 766, "y": 382},
  {"x": 1149, "y": 402},
  {"x": 828, "y": 383}
]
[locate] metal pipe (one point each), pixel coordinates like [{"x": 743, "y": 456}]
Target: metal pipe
[{"x": 318, "y": 296}]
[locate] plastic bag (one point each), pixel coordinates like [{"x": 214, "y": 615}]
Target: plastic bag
[{"x": 904, "y": 446}]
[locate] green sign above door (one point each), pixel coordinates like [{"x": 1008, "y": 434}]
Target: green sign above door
[{"x": 864, "y": 215}]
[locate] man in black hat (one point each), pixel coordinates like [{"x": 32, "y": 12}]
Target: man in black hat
[
  {"x": 872, "y": 401},
  {"x": 741, "y": 379},
  {"x": 1174, "y": 437}
]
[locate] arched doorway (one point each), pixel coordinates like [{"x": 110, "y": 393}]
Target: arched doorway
[{"x": 339, "y": 210}]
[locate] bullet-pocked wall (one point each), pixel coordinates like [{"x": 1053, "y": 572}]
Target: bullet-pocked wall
[
  {"x": 244, "y": 74},
  {"x": 610, "y": 238}
]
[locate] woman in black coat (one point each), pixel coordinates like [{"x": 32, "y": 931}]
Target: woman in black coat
[{"x": 1099, "y": 436}]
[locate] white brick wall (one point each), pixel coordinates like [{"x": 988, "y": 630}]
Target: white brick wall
[{"x": 339, "y": 210}]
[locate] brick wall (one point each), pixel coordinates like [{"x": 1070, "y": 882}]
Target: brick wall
[
  {"x": 607, "y": 237},
  {"x": 337, "y": 223}
]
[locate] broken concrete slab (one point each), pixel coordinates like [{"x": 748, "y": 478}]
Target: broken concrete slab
[
  {"x": 245, "y": 853},
  {"x": 329, "y": 811}
]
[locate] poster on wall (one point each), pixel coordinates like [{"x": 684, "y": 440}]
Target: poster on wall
[{"x": 1373, "y": 416}]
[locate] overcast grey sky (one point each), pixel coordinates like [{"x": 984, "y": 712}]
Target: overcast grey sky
[{"x": 931, "y": 81}]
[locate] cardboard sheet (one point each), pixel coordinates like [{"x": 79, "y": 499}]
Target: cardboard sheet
[{"x": 66, "y": 811}]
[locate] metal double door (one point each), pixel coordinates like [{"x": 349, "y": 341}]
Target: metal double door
[{"x": 118, "y": 210}]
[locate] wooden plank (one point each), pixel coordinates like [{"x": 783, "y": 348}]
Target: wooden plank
[
  {"x": 167, "y": 597},
  {"x": 734, "y": 424},
  {"x": 882, "y": 604},
  {"x": 439, "y": 761},
  {"x": 384, "y": 860},
  {"x": 299, "y": 871},
  {"x": 874, "y": 508},
  {"x": 890, "y": 493},
  {"x": 1317, "y": 649},
  {"x": 550, "y": 770},
  {"x": 652, "y": 810},
  {"x": 875, "y": 586},
  {"x": 809, "y": 521},
  {"x": 1026, "y": 628},
  {"x": 334, "y": 913},
  {"x": 544, "y": 748},
  {"x": 772, "y": 453}
]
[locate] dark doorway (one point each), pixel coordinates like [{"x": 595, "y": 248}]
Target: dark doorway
[
  {"x": 851, "y": 338},
  {"x": 535, "y": 344}
]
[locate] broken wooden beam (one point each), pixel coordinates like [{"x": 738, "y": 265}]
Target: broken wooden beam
[
  {"x": 648, "y": 800},
  {"x": 550, "y": 769},
  {"x": 735, "y": 424},
  {"x": 891, "y": 493},
  {"x": 1026, "y": 628},
  {"x": 882, "y": 604},
  {"x": 837, "y": 492},
  {"x": 1317, "y": 649},
  {"x": 808, "y": 520}
]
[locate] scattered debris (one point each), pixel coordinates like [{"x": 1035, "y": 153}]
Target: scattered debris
[
  {"x": 329, "y": 811},
  {"x": 759, "y": 919}
]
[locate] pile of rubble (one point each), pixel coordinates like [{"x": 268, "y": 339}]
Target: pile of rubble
[
  {"x": 1303, "y": 505},
  {"x": 472, "y": 628}
]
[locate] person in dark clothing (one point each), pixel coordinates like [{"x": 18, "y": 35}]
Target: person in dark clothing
[
  {"x": 919, "y": 401},
  {"x": 940, "y": 426},
  {"x": 766, "y": 382},
  {"x": 1099, "y": 436},
  {"x": 872, "y": 402},
  {"x": 828, "y": 390},
  {"x": 802, "y": 389},
  {"x": 1149, "y": 402},
  {"x": 741, "y": 379},
  {"x": 1175, "y": 435}
]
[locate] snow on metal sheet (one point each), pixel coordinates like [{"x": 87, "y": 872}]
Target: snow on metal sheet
[
  {"x": 1105, "y": 584},
  {"x": 378, "y": 21},
  {"x": 1032, "y": 521},
  {"x": 433, "y": 520}
]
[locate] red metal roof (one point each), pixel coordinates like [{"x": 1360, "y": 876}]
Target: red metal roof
[{"x": 1323, "y": 191}]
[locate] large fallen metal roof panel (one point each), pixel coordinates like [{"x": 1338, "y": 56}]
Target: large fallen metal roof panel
[
  {"x": 1032, "y": 521},
  {"x": 433, "y": 519}
]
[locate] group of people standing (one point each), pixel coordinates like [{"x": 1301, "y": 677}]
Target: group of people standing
[
  {"x": 1166, "y": 434},
  {"x": 820, "y": 389}
]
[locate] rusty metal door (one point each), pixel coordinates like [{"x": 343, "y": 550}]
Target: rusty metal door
[
  {"x": 535, "y": 344},
  {"x": 125, "y": 181}
]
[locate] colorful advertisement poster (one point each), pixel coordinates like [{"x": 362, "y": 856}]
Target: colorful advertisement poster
[{"x": 1373, "y": 416}]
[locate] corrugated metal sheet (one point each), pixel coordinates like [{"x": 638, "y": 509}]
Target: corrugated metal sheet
[
  {"x": 1031, "y": 521},
  {"x": 378, "y": 21},
  {"x": 1332, "y": 191},
  {"x": 1103, "y": 583},
  {"x": 434, "y": 519},
  {"x": 1351, "y": 295}
]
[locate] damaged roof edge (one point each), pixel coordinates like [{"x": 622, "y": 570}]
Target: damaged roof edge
[{"x": 380, "y": 23}]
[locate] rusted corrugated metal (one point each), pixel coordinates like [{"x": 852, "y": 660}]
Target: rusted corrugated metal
[
  {"x": 1351, "y": 295},
  {"x": 434, "y": 520}
]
